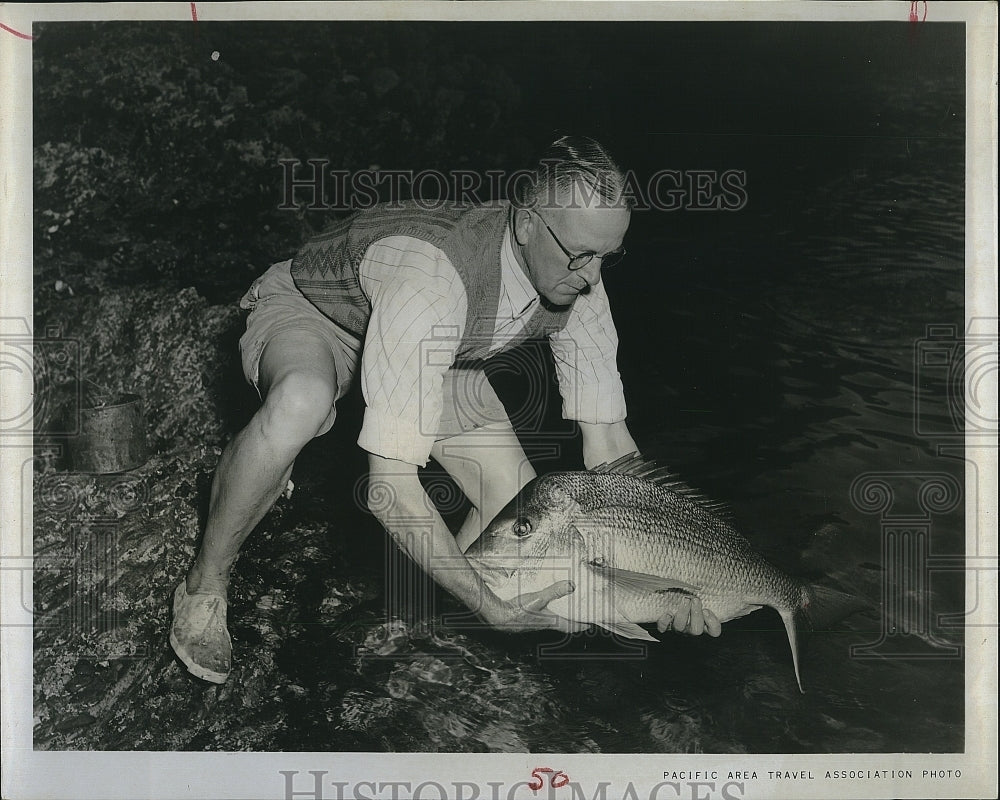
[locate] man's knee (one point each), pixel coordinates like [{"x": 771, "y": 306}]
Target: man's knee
[
  {"x": 300, "y": 405},
  {"x": 488, "y": 463},
  {"x": 496, "y": 484},
  {"x": 499, "y": 488}
]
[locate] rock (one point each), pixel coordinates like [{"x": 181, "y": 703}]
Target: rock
[
  {"x": 500, "y": 737},
  {"x": 388, "y": 638},
  {"x": 176, "y": 351},
  {"x": 431, "y": 670},
  {"x": 400, "y": 686},
  {"x": 74, "y": 722}
]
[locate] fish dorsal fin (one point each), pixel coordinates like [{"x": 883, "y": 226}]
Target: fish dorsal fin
[
  {"x": 638, "y": 467},
  {"x": 641, "y": 581},
  {"x": 622, "y": 464}
]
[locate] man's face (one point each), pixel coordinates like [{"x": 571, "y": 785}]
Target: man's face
[{"x": 590, "y": 228}]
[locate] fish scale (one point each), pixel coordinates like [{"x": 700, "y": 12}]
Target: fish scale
[
  {"x": 637, "y": 544},
  {"x": 691, "y": 561}
]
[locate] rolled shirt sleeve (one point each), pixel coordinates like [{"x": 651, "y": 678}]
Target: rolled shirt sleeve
[
  {"x": 586, "y": 360},
  {"x": 418, "y": 315}
]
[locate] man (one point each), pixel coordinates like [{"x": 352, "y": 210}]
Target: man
[{"x": 413, "y": 299}]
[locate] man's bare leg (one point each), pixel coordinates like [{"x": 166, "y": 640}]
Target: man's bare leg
[
  {"x": 298, "y": 380},
  {"x": 490, "y": 467}
]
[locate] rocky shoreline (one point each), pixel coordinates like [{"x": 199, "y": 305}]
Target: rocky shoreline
[{"x": 319, "y": 663}]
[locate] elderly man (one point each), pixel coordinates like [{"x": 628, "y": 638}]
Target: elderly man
[{"x": 414, "y": 299}]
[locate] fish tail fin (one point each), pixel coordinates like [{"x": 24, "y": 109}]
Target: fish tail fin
[
  {"x": 819, "y": 607},
  {"x": 793, "y": 619}
]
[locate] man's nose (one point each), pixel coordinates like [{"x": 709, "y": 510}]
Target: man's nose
[{"x": 592, "y": 272}]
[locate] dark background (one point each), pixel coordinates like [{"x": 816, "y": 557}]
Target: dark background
[{"x": 169, "y": 160}]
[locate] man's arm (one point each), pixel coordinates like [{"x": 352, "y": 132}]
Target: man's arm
[
  {"x": 603, "y": 442},
  {"x": 398, "y": 499},
  {"x": 418, "y": 317}
]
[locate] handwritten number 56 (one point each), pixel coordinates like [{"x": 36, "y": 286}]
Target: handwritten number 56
[{"x": 557, "y": 778}]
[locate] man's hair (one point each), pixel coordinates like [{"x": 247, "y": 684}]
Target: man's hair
[{"x": 573, "y": 169}]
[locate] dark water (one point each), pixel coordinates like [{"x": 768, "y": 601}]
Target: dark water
[
  {"x": 777, "y": 394},
  {"x": 774, "y": 358},
  {"x": 778, "y": 373},
  {"x": 783, "y": 395}
]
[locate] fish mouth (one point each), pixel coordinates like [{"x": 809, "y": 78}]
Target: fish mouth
[{"x": 491, "y": 570}]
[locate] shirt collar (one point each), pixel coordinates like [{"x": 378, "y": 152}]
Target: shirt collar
[{"x": 514, "y": 284}]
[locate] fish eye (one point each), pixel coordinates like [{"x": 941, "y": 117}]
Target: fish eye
[{"x": 522, "y": 527}]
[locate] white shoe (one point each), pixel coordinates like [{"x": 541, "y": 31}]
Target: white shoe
[{"x": 199, "y": 635}]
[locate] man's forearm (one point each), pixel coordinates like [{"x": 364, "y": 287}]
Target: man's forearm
[
  {"x": 399, "y": 501},
  {"x": 605, "y": 442}
]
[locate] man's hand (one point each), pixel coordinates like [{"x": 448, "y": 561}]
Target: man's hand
[
  {"x": 527, "y": 612},
  {"x": 690, "y": 618}
]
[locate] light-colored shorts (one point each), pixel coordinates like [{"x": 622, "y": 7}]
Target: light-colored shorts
[{"x": 277, "y": 307}]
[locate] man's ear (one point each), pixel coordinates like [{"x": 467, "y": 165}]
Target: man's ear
[{"x": 522, "y": 226}]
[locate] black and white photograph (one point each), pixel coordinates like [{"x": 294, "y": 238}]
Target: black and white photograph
[{"x": 499, "y": 400}]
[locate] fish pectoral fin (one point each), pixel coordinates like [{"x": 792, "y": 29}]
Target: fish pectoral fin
[
  {"x": 627, "y": 630},
  {"x": 642, "y": 581},
  {"x": 749, "y": 608}
]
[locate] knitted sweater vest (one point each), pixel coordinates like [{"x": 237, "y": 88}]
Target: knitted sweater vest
[{"x": 326, "y": 268}]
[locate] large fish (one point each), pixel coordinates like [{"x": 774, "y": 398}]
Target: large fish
[{"x": 635, "y": 541}]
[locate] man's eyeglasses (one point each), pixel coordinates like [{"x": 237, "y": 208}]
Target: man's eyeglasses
[{"x": 580, "y": 260}]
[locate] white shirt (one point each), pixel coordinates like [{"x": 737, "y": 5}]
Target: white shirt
[{"x": 419, "y": 309}]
